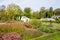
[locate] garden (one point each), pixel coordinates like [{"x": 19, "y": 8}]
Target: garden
[{"x": 18, "y": 24}]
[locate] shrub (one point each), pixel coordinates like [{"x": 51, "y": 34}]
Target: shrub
[
  {"x": 36, "y": 23},
  {"x": 10, "y": 36}
]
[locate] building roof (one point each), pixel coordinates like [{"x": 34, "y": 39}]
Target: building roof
[
  {"x": 47, "y": 19},
  {"x": 56, "y": 16}
]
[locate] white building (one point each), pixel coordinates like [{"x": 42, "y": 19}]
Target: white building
[
  {"x": 25, "y": 19},
  {"x": 47, "y": 19},
  {"x": 56, "y": 16}
]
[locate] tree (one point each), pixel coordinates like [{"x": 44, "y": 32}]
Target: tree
[
  {"x": 57, "y": 11},
  {"x": 36, "y": 15},
  {"x": 27, "y": 12},
  {"x": 13, "y": 11},
  {"x": 42, "y": 13},
  {"x": 50, "y": 12}
]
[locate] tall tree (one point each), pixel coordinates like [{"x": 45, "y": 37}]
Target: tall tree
[
  {"x": 57, "y": 11},
  {"x": 13, "y": 11},
  {"x": 42, "y": 13},
  {"x": 36, "y": 15},
  {"x": 50, "y": 12},
  {"x": 27, "y": 12}
]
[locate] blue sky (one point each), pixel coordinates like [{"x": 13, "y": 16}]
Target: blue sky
[{"x": 34, "y": 4}]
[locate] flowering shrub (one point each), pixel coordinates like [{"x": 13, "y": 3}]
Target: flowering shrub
[
  {"x": 10, "y": 36},
  {"x": 1, "y": 35}
]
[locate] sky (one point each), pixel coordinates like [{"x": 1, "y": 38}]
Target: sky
[{"x": 33, "y": 4}]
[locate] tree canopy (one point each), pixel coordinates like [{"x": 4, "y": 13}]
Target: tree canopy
[{"x": 13, "y": 11}]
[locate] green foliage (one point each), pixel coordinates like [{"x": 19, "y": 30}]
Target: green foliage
[
  {"x": 57, "y": 11},
  {"x": 42, "y": 13},
  {"x": 50, "y": 12},
  {"x": 57, "y": 20},
  {"x": 27, "y": 12},
  {"x": 47, "y": 30},
  {"x": 36, "y": 22},
  {"x": 13, "y": 11},
  {"x": 27, "y": 15},
  {"x": 35, "y": 15}
]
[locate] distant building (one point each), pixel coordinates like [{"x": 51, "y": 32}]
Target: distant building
[
  {"x": 56, "y": 16},
  {"x": 47, "y": 19},
  {"x": 25, "y": 19}
]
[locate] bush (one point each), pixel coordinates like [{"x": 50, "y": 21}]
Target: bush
[
  {"x": 10, "y": 36},
  {"x": 36, "y": 23}
]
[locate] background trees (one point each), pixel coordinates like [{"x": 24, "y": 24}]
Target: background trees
[
  {"x": 57, "y": 11},
  {"x": 50, "y": 12},
  {"x": 35, "y": 15},
  {"x": 13, "y": 11},
  {"x": 27, "y": 12},
  {"x": 42, "y": 13}
]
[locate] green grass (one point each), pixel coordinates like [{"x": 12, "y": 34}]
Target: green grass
[{"x": 52, "y": 36}]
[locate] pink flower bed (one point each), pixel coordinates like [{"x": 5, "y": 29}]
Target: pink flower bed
[{"x": 10, "y": 36}]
